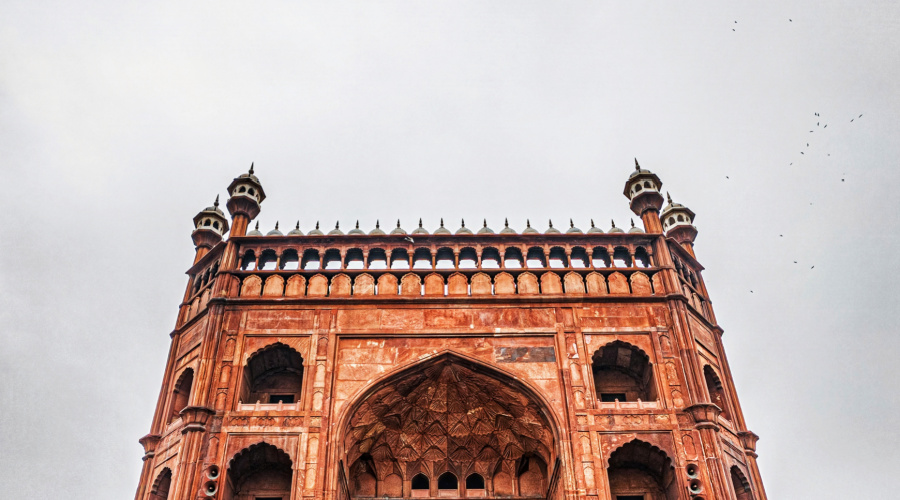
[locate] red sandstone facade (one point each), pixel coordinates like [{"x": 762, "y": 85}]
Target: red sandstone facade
[{"x": 535, "y": 365}]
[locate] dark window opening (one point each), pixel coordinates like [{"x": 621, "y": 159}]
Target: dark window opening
[
  {"x": 420, "y": 482},
  {"x": 287, "y": 399},
  {"x": 629, "y": 497},
  {"x": 474, "y": 482},
  {"x": 611, "y": 397},
  {"x": 447, "y": 481}
]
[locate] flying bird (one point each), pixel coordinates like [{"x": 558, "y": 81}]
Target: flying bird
[
  {"x": 795, "y": 262},
  {"x": 727, "y": 177},
  {"x": 860, "y": 116},
  {"x": 826, "y": 126},
  {"x": 851, "y": 121},
  {"x": 409, "y": 239},
  {"x": 813, "y": 267}
]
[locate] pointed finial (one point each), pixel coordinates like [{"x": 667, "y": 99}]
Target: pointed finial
[
  {"x": 637, "y": 165},
  {"x": 377, "y": 224},
  {"x": 251, "y": 168},
  {"x": 571, "y": 224},
  {"x": 464, "y": 223},
  {"x": 337, "y": 225},
  {"x": 632, "y": 222},
  {"x": 528, "y": 222},
  {"x": 216, "y": 203},
  {"x": 485, "y": 222},
  {"x": 592, "y": 223},
  {"x": 398, "y": 222},
  {"x": 317, "y": 224},
  {"x": 298, "y": 225},
  {"x": 420, "y": 222},
  {"x": 669, "y": 197},
  {"x": 357, "y": 223},
  {"x": 506, "y": 222},
  {"x": 276, "y": 225},
  {"x": 551, "y": 223},
  {"x": 257, "y": 225},
  {"x": 613, "y": 223}
]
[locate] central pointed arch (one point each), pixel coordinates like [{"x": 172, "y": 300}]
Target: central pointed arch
[{"x": 448, "y": 416}]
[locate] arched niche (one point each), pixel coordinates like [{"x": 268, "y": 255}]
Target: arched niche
[
  {"x": 160, "y": 489},
  {"x": 181, "y": 393},
  {"x": 257, "y": 472},
  {"x": 273, "y": 374},
  {"x": 622, "y": 372},
  {"x": 716, "y": 391},
  {"x": 640, "y": 470}
]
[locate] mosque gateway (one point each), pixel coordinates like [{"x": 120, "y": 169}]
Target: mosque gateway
[{"x": 454, "y": 363}]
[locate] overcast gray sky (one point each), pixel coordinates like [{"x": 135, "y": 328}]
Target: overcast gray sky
[{"x": 121, "y": 120}]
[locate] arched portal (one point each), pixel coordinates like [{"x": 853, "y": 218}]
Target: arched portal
[
  {"x": 272, "y": 375},
  {"x": 639, "y": 470},
  {"x": 421, "y": 429},
  {"x": 259, "y": 471},
  {"x": 160, "y": 490}
]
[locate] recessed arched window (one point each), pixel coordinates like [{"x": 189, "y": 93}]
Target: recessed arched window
[
  {"x": 445, "y": 259},
  {"x": 641, "y": 258},
  {"x": 447, "y": 481},
  {"x": 332, "y": 259},
  {"x": 512, "y": 258},
  {"x": 354, "y": 259},
  {"x": 242, "y": 189},
  {"x": 621, "y": 258},
  {"x": 579, "y": 258},
  {"x": 535, "y": 258},
  {"x": 290, "y": 261},
  {"x": 638, "y": 471},
  {"x": 622, "y": 372},
  {"x": 600, "y": 258},
  {"x": 741, "y": 484},
  {"x": 475, "y": 482},
  {"x": 377, "y": 259},
  {"x": 420, "y": 482},
  {"x": 273, "y": 375},
  {"x": 311, "y": 260},
  {"x": 399, "y": 259},
  {"x": 160, "y": 489},
  {"x": 422, "y": 258},
  {"x": 716, "y": 392},
  {"x": 490, "y": 258},
  {"x": 468, "y": 258},
  {"x": 248, "y": 263},
  {"x": 181, "y": 393},
  {"x": 268, "y": 260}
]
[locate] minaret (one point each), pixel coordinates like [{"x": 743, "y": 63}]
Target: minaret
[
  {"x": 678, "y": 223},
  {"x": 642, "y": 188},
  {"x": 210, "y": 226},
  {"x": 246, "y": 194}
]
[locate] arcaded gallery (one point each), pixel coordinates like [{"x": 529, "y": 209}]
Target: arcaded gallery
[{"x": 451, "y": 363}]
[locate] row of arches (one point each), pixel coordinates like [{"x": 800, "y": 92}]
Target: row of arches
[
  {"x": 511, "y": 257},
  {"x": 434, "y": 284}
]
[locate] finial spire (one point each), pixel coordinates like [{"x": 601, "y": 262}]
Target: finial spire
[
  {"x": 251, "y": 168},
  {"x": 357, "y": 223},
  {"x": 551, "y": 223},
  {"x": 571, "y": 224},
  {"x": 337, "y": 225},
  {"x": 257, "y": 225},
  {"x": 613, "y": 223},
  {"x": 276, "y": 225},
  {"x": 464, "y": 223},
  {"x": 317, "y": 224},
  {"x": 377, "y": 224},
  {"x": 592, "y": 223},
  {"x": 398, "y": 222},
  {"x": 506, "y": 222},
  {"x": 216, "y": 203},
  {"x": 442, "y": 222},
  {"x": 298, "y": 224},
  {"x": 669, "y": 197},
  {"x": 420, "y": 222},
  {"x": 632, "y": 222},
  {"x": 528, "y": 222},
  {"x": 485, "y": 222},
  {"x": 637, "y": 166}
]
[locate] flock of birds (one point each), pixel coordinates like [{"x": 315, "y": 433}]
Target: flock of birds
[{"x": 823, "y": 127}]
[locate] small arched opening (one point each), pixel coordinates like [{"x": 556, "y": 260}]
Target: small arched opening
[
  {"x": 622, "y": 372},
  {"x": 160, "y": 489},
  {"x": 248, "y": 263},
  {"x": 579, "y": 258},
  {"x": 273, "y": 375},
  {"x": 377, "y": 259},
  {"x": 181, "y": 394},
  {"x": 474, "y": 482},
  {"x": 640, "y": 471},
  {"x": 490, "y": 258},
  {"x": 399, "y": 259},
  {"x": 311, "y": 260},
  {"x": 420, "y": 485},
  {"x": 641, "y": 258},
  {"x": 422, "y": 258},
  {"x": 716, "y": 392},
  {"x": 621, "y": 257},
  {"x": 332, "y": 259},
  {"x": 290, "y": 260},
  {"x": 354, "y": 259},
  {"x": 535, "y": 258},
  {"x": 531, "y": 474},
  {"x": 268, "y": 260},
  {"x": 468, "y": 258},
  {"x": 741, "y": 485},
  {"x": 558, "y": 258},
  {"x": 444, "y": 258},
  {"x": 600, "y": 258},
  {"x": 364, "y": 483},
  {"x": 512, "y": 258},
  {"x": 261, "y": 471},
  {"x": 448, "y": 484}
]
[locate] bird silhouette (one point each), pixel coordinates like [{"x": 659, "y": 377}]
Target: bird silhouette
[
  {"x": 813, "y": 267},
  {"x": 826, "y": 126},
  {"x": 860, "y": 116},
  {"x": 795, "y": 262},
  {"x": 727, "y": 177},
  {"x": 409, "y": 239}
]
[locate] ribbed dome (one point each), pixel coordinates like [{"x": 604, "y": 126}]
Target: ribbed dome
[
  {"x": 594, "y": 229},
  {"x": 615, "y": 229},
  {"x": 377, "y": 231},
  {"x": 337, "y": 230},
  {"x": 255, "y": 232},
  {"x": 420, "y": 229},
  {"x": 442, "y": 229},
  {"x": 573, "y": 229},
  {"x": 506, "y": 229},
  {"x": 635, "y": 229},
  {"x": 398, "y": 229},
  {"x": 275, "y": 232},
  {"x": 296, "y": 231},
  {"x": 356, "y": 231},
  {"x": 316, "y": 232},
  {"x": 485, "y": 229},
  {"x": 528, "y": 228},
  {"x": 638, "y": 170},
  {"x": 215, "y": 208},
  {"x": 249, "y": 175},
  {"x": 463, "y": 229}
]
